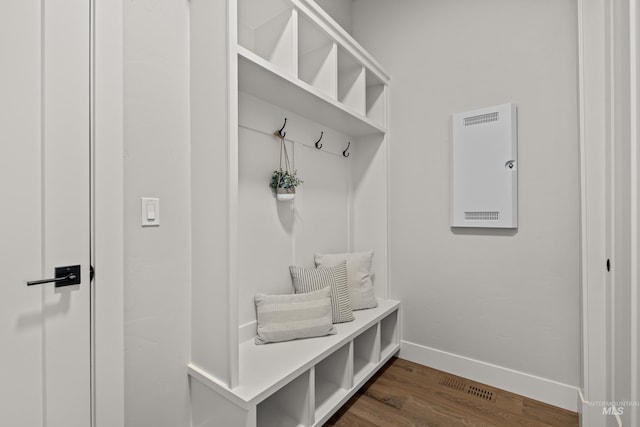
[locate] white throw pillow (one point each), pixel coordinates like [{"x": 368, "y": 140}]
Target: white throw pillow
[
  {"x": 358, "y": 276},
  {"x": 290, "y": 317}
]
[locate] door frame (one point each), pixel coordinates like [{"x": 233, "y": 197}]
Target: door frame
[
  {"x": 595, "y": 70},
  {"x": 106, "y": 112},
  {"x": 592, "y": 90}
]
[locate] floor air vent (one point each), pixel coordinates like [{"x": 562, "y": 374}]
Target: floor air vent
[
  {"x": 480, "y": 392},
  {"x": 471, "y": 389},
  {"x": 453, "y": 383}
]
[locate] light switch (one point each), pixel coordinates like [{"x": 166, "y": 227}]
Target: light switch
[{"x": 150, "y": 212}]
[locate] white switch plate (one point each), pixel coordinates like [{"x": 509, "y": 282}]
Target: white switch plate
[{"x": 150, "y": 210}]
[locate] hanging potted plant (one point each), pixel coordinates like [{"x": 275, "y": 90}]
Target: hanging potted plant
[{"x": 284, "y": 182}]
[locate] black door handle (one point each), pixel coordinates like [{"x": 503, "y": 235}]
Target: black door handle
[{"x": 64, "y": 276}]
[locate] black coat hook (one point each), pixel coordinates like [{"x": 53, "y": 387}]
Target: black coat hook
[
  {"x": 318, "y": 145},
  {"x": 279, "y": 132},
  {"x": 344, "y": 153}
]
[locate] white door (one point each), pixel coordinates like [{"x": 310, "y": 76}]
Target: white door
[{"x": 45, "y": 331}]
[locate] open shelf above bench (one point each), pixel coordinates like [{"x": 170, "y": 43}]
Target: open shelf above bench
[{"x": 262, "y": 79}]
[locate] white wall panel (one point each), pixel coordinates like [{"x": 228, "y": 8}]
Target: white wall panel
[
  {"x": 369, "y": 206},
  {"x": 274, "y": 235},
  {"x": 321, "y": 206},
  {"x": 265, "y": 226},
  {"x": 211, "y": 208}
]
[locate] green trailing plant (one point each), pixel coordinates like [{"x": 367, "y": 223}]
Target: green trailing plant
[{"x": 284, "y": 179}]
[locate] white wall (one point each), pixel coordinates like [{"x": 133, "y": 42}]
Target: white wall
[
  {"x": 509, "y": 299},
  {"x": 157, "y": 260}
]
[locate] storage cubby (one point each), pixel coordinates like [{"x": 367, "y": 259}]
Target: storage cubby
[
  {"x": 285, "y": 59},
  {"x": 365, "y": 353},
  {"x": 317, "y": 58},
  {"x": 333, "y": 379},
  {"x": 375, "y": 98},
  {"x": 268, "y": 28},
  {"x": 351, "y": 82},
  {"x": 288, "y": 407},
  {"x": 389, "y": 339},
  {"x": 300, "y": 382}
]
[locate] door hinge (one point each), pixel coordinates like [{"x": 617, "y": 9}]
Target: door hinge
[
  {"x": 608, "y": 264},
  {"x": 92, "y": 273}
]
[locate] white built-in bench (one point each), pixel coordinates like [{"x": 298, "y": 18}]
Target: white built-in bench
[{"x": 303, "y": 382}]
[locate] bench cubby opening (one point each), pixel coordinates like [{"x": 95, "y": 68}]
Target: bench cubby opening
[
  {"x": 288, "y": 407},
  {"x": 365, "y": 353},
  {"x": 333, "y": 379},
  {"x": 389, "y": 335}
]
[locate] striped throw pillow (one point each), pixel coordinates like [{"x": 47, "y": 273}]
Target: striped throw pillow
[
  {"x": 290, "y": 317},
  {"x": 312, "y": 279}
]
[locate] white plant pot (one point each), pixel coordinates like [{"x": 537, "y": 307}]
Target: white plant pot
[{"x": 285, "y": 194}]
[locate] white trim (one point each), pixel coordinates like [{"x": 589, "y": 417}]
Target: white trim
[
  {"x": 583, "y": 205},
  {"x": 387, "y": 192},
  {"x": 635, "y": 274},
  {"x": 233, "y": 342},
  {"x": 108, "y": 221},
  {"x": 92, "y": 193},
  {"x": 592, "y": 88},
  {"x": 610, "y": 185},
  {"x": 534, "y": 387}
]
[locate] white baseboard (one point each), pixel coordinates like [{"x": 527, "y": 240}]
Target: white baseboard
[{"x": 537, "y": 388}]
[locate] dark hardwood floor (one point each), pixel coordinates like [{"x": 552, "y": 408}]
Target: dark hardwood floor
[{"x": 407, "y": 394}]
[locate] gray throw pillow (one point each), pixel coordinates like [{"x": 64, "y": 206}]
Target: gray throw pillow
[
  {"x": 358, "y": 276},
  {"x": 294, "y": 316},
  {"x": 312, "y": 279}
]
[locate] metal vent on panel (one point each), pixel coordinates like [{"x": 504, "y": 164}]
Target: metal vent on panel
[
  {"x": 482, "y": 216},
  {"x": 482, "y": 118}
]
